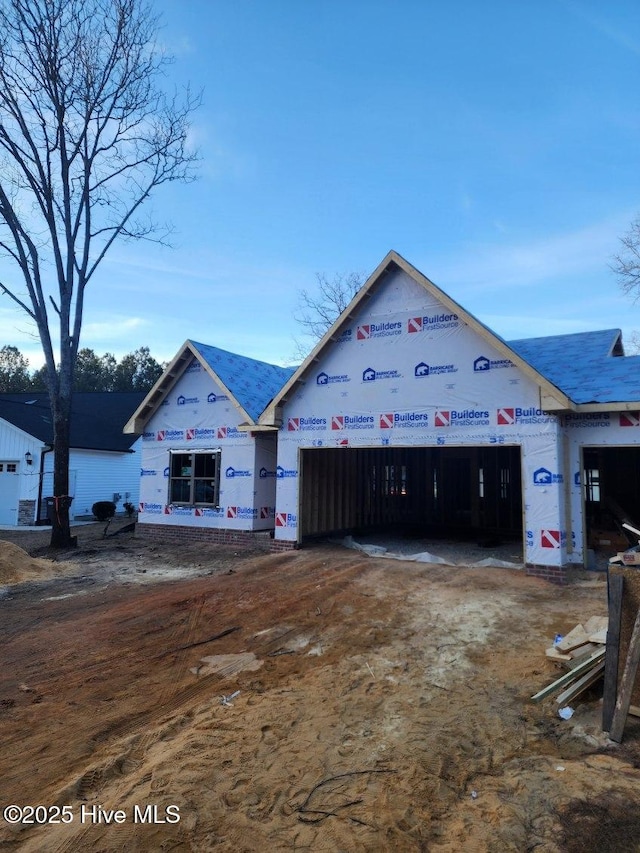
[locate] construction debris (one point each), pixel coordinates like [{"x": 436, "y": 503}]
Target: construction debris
[{"x": 582, "y": 653}]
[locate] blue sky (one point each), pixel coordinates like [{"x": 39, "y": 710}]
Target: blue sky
[{"x": 494, "y": 144}]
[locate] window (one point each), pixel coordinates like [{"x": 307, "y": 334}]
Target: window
[
  {"x": 194, "y": 478},
  {"x": 592, "y": 484}
]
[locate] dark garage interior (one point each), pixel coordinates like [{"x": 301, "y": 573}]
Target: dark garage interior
[
  {"x": 611, "y": 488},
  {"x": 453, "y": 492}
]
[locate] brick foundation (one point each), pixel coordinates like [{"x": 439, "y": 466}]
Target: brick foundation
[
  {"x": 217, "y": 536},
  {"x": 283, "y": 545},
  {"x": 553, "y": 574}
]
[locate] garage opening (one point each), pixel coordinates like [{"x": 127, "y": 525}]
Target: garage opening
[
  {"x": 611, "y": 494},
  {"x": 452, "y": 492}
]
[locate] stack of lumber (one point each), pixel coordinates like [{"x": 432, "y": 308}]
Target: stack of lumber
[{"x": 582, "y": 653}]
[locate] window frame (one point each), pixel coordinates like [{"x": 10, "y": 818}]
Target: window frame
[{"x": 193, "y": 477}]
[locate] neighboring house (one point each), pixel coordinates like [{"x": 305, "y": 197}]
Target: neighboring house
[
  {"x": 104, "y": 463},
  {"x": 203, "y": 467},
  {"x": 409, "y": 414}
]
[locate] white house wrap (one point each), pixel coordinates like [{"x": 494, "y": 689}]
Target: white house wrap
[{"x": 408, "y": 412}]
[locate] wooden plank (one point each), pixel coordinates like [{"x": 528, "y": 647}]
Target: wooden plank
[
  {"x": 581, "y": 684},
  {"x": 630, "y": 607},
  {"x": 554, "y": 654},
  {"x": 576, "y": 637},
  {"x": 599, "y": 637},
  {"x": 595, "y": 624},
  {"x": 610, "y": 690},
  {"x": 626, "y": 685},
  {"x": 634, "y": 710},
  {"x": 568, "y": 677}
]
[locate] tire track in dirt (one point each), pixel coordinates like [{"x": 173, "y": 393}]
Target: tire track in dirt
[{"x": 401, "y": 668}]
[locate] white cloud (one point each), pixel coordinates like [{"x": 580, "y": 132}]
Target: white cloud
[
  {"x": 498, "y": 266},
  {"x": 113, "y": 328}
]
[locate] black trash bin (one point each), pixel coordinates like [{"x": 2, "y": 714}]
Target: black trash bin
[{"x": 50, "y": 504}]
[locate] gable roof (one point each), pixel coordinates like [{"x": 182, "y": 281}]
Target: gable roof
[
  {"x": 97, "y": 417},
  {"x": 552, "y": 396},
  {"x": 590, "y": 367},
  {"x": 250, "y": 384}
]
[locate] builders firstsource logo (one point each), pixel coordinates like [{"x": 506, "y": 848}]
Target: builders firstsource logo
[
  {"x": 179, "y": 511},
  {"x": 508, "y": 416},
  {"x": 409, "y": 420},
  {"x": 234, "y": 512},
  {"x": 209, "y": 512},
  {"x": 432, "y": 322},
  {"x": 629, "y": 419},
  {"x": 150, "y": 508},
  {"x": 170, "y": 435},
  {"x": 195, "y": 433},
  {"x": 378, "y": 330},
  {"x": 223, "y": 432},
  {"x": 465, "y": 417},
  {"x": 306, "y": 424},
  {"x": 587, "y": 419},
  {"x": 340, "y": 422}
]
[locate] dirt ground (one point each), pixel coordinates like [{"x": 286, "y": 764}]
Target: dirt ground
[{"x": 319, "y": 700}]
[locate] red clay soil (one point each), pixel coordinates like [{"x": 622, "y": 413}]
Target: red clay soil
[{"x": 379, "y": 705}]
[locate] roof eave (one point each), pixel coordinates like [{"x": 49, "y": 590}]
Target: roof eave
[{"x": 620, "y": 406}]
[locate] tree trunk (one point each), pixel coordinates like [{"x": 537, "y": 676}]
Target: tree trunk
[{"x": 60, "y": 524}]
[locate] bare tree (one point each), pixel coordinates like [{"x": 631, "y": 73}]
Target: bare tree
[
  {"x": 86, "y": 136},
  {"x": 626, "y": 264},
  {"x": 318, "y": 309}
]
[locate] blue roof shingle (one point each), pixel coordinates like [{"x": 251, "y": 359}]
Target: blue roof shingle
[
  {"x": 253, "y": 383},
  {"x": 583, "y": 365}
]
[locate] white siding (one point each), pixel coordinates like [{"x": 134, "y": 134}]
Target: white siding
[
  {"x": 97, "y": 475},
  {"x": 14, "y": 444}
]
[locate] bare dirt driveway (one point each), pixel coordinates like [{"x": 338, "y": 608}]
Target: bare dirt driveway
[{"x": 195, "y": 699}]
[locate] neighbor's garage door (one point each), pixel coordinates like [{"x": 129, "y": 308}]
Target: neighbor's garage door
[
  {"x": 9, "y": 492},
  {"x": 453, "y": 490}
]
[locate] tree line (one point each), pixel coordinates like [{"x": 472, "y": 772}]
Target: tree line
[{"x": 136, "y": 371}]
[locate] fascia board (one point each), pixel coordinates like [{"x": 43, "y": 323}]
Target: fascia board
[
  {"x": 159, "y": 391},
  {"x": 627, "y": 406}
]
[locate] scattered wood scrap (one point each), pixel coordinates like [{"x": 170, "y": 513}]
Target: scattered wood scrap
[{"x": 581, "y": 652}]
